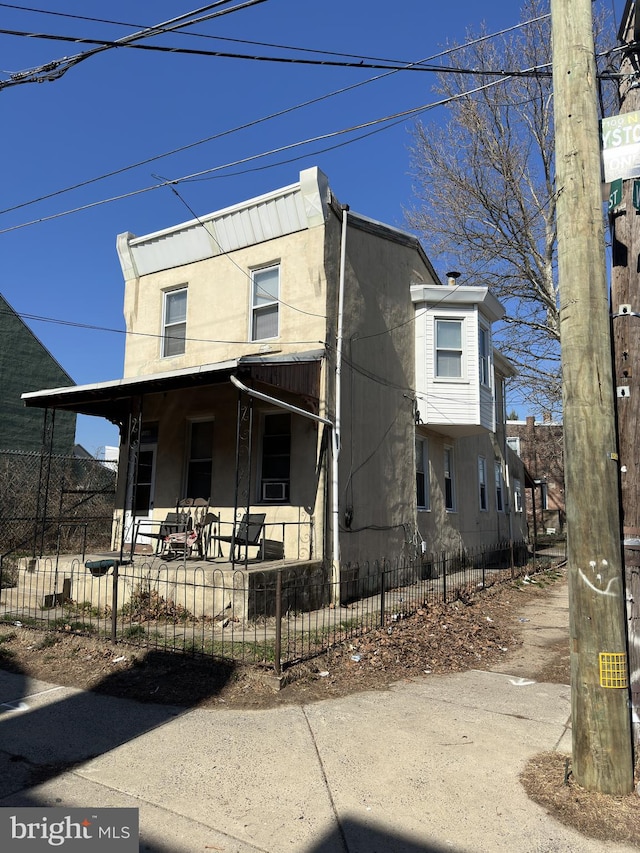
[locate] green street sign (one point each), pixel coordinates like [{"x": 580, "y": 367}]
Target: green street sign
[
  {"x": 636, "y": 195},
  {"x": 615, "y": 194}
]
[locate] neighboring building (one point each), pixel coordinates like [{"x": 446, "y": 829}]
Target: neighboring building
[
  {"x": 26, "y": 365},
  {"x": 540, "y": 445},
  {"x": 291, "y": 357}
]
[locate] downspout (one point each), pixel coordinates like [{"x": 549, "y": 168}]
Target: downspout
[
  {"x": 335, "y": 502},
  {"x": 280, "y": 403},
  {"x": 275, "y": 402}
]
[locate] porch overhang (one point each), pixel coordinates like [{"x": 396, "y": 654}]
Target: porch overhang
[{"x": 112, "y": 400}]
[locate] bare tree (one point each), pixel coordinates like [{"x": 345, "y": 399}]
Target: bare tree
[{"x": 485, "y": 189}]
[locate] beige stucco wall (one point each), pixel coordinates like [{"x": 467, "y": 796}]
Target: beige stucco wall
[
  {"x": 377, "y": 474},
  {"x": 218, "y": 305}
]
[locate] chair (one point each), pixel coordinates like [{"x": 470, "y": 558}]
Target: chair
[
  {"x": 182, "y": 531},
  {"x": 248, "y": 532}
]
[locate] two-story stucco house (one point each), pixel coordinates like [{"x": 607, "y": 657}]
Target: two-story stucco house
[{"x": 289, "y": 357}]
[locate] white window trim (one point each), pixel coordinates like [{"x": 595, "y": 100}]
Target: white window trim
[
  {"x": 500, "y": 490},
  {"x": 463, "y": 378},
  {"x": 253, "y": 307},
  {"x": 163, "y": 340},
  {"x": 448, "y": 449},
  {"x": 517, "y": 495},
  {"x": 483, "y": 497},
  {"x": 424, "y": 444},
  {"x": 486, "y": 382}
]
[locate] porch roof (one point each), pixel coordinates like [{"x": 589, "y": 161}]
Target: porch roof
[{"x": 112, "y": 400}]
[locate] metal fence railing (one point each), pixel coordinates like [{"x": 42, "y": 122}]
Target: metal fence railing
[{"x": 267, "y": 617}]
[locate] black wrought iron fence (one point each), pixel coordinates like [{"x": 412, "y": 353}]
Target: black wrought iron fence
[{"x": 269, "y": 617}]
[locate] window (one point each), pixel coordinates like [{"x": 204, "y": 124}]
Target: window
[
  {"x": 276, "y": 458},
  {"x": 449, "y": 349},
  {"x": 449, "y": 481},
  {"x": 422, "y": 474},
  {"x": 174, "y": 322},
  {"x": 265, "y": 287},
  {"x": 514, "y": 444},
  {"x": 483, "y": 355},
  {"x": 544, "y": 495},
  {"x": 499, "y": 489},
  {"x": 482, "y": 482},
  {"x": 200, "y": 462},
  {"x": 517, "y": 496}
]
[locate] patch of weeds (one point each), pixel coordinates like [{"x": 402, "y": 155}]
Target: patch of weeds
[
  {"x": 134, "y": 632},
  {"x": 48, "y": 641},
  {"x": 6, "y": 638}
]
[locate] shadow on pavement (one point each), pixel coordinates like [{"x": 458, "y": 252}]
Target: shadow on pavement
[{"x": 41, "y": 738}]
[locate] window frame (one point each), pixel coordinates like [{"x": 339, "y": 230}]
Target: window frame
[
  {"x": 192, "y": 461},
  {"x": 449, "y": 479},
  {"x": 517, "y": 495},
  {"x": 260, "y": 309},
  {"x": 499, "y": 480},
  {"x": 423, "y": 479},
  {"x": 483, "y": 497},
  {"x": 484, "y": 357},
  {"x": 166, "y": 337},
  {"x": 262, "y": 479},
  {"x": 441, "y": 377}
]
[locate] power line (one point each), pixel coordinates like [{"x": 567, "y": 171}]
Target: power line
[
  {"x": 255, "y": 122},
  {"x": 56, "y": 68},
  {"x": 207, "y": 174}
]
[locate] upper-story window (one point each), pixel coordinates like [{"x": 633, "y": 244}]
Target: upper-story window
[
  {"x": 265, "y": 295},
  {"x": 174, "y": 322},
  {"x": 483, "y": 355},
  {"x": 449, "y": 364}
]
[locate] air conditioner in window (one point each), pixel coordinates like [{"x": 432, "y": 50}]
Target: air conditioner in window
[{"x": 274, "y": 491}]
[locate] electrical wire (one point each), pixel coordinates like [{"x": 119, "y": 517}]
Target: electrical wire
[
  {"x": 54, "y": 69},
  {"x": 255, "y": 122},
  {"x": 388, "y": 121}
]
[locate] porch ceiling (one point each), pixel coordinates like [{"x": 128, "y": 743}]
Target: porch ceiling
[{"x": 112, "y": 400}]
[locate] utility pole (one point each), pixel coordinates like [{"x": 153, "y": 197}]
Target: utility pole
[
  {"x": 625, "y": 309},
  {"x": 600, "y": 720}
]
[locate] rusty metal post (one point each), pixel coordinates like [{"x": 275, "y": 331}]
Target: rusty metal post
[
  {"x": 114, "y": 603},
  {"x": 277, "y": 667}
]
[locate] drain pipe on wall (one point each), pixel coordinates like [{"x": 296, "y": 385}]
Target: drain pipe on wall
[{"x": 335, "y": 501}]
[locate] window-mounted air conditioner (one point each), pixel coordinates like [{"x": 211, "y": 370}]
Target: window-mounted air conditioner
[{"x": 274, "y": 491}]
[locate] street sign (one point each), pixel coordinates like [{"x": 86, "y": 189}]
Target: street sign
[
  {"x": 621, "y": 146},
  {"x": 615, "y": 194}
]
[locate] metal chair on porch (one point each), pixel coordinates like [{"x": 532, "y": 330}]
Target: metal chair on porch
[{"x": 245, "y": 534}]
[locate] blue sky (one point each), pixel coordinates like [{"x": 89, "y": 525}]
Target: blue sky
[{"x": 124, "y": 106}]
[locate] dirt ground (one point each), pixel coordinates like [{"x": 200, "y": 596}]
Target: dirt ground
[{"x": 483, "y": 631}]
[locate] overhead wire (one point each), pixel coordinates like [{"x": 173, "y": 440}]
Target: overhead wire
[
  {"x": 207, "y": 174},
  {"x": 255, "y": 122}
]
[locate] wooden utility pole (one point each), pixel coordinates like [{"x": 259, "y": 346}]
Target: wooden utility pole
[
  {"x": 601, "y": 730},
  {"x": 625, "y": 310}
]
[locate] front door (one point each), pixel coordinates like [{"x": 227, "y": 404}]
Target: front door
[{"x": 139, "y": 520}]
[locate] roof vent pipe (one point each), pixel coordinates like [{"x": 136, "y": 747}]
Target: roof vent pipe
[{"x": 452, "y": 277}]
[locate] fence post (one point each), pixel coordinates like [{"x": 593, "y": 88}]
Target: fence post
[
  {"x": 512, "y": 559},
  {"x": 114, "y": 603},
  {"x": 484, "y": 569},
  {"x": 382, "y": 597},
  {"x": 278, "y": 647},
  {"x": 444, "y": 577}
]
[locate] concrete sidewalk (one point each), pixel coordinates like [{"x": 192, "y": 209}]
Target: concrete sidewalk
[{"x": 431, "y": 765}]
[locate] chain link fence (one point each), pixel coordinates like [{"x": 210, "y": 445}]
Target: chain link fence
[{"x": 53, "y": 504}]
